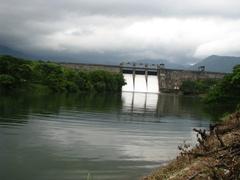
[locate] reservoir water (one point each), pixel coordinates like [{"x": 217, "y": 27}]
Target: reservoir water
[{"x": 109, "y": 136}]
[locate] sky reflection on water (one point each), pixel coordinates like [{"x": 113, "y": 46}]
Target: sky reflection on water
[{"x": 113, "y": 136}]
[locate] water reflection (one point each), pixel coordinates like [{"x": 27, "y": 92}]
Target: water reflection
[
  {"x": 139, "y": 102},
  {"x": 16, "y": 108},
  {"x": 113, "y": 136},
  {"x": 160, "y": 105}
]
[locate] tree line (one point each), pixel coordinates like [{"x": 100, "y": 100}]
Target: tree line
[
  {"x": 226, "y": 90},
  {"x": 21, "y": 74},
  {"x": 217, "y": 92}
]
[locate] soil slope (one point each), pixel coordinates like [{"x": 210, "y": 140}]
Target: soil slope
[{"x": 216, "y": 156}]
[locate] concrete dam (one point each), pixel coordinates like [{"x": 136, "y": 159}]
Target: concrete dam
[{"x": 151, "y": 78}]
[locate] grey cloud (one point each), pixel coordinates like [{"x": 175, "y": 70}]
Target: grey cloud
[
  {"x": 44, "y": 9},
  {"x": 114, "y": 30}
]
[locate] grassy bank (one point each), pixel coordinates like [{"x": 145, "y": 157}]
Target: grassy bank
[{"x": 216, "y": 156}]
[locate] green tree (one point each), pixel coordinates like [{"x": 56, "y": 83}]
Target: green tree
[
  {"x": 7, "y": 82},
  {"x": 227, "y": 90},
  {"x": 197, "y": 87},
  {"x": 18, "y": 73},
  {"x": 188, "y": 87},
  {"x": 18, "y": 69}
]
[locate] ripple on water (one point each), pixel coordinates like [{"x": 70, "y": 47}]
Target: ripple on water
[{"x": 118, "y": 138}]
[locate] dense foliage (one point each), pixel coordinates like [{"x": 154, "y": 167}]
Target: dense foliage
[
  {"x": 227, "y": 90},
  {"x": 197, "y": 87},
  {"x": 18, "y": 74}
]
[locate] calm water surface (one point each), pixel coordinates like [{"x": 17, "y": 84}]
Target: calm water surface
[{"x": 111, "y": 136}]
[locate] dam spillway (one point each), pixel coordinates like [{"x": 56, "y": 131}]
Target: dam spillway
[
  {"x": 142, "y": 83},
  {"x": 141, "y": 78}
]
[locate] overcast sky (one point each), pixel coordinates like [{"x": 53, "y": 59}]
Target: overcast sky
[{"x": 179, "y": 30}]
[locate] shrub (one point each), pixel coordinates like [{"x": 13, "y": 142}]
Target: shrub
[
  {"x": 227, "y": 90},
  {"x": 7, "y": 82},
  {"x": 197, "y": 87}
]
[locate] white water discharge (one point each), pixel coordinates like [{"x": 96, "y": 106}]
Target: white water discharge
[
  {"x": 151, "y": 86},
  {"x": 129, "y": 80},
  {"x": 140, "y": 83}
]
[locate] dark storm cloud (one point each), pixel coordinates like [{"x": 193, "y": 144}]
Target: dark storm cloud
[{"x": 121, "y": 29}]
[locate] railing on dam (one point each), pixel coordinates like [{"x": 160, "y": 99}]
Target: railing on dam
[{"x": 134, "y": 68}]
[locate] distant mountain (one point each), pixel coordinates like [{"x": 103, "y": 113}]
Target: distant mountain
[
  {"x": 4, "y": 50},
  {"x": 167, "y": 63},
  {"x": 218, "y": 63}
]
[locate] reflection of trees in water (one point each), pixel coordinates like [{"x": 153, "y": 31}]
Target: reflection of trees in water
[
  {"x": 179, "y": 106},
  {"x": 217, "y": 111},
  {"x": 99, "y": 102},
  {"x": 85, "y": 101},
  {"x": 15, "y": 108},
  {"x": 189, "y": 106}
]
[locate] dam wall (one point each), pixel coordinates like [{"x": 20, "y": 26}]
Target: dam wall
[
  {"x": 171, "y": 79},
  {"x": 168, "y": 80},
  {"x": 92, "y": 67}
]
